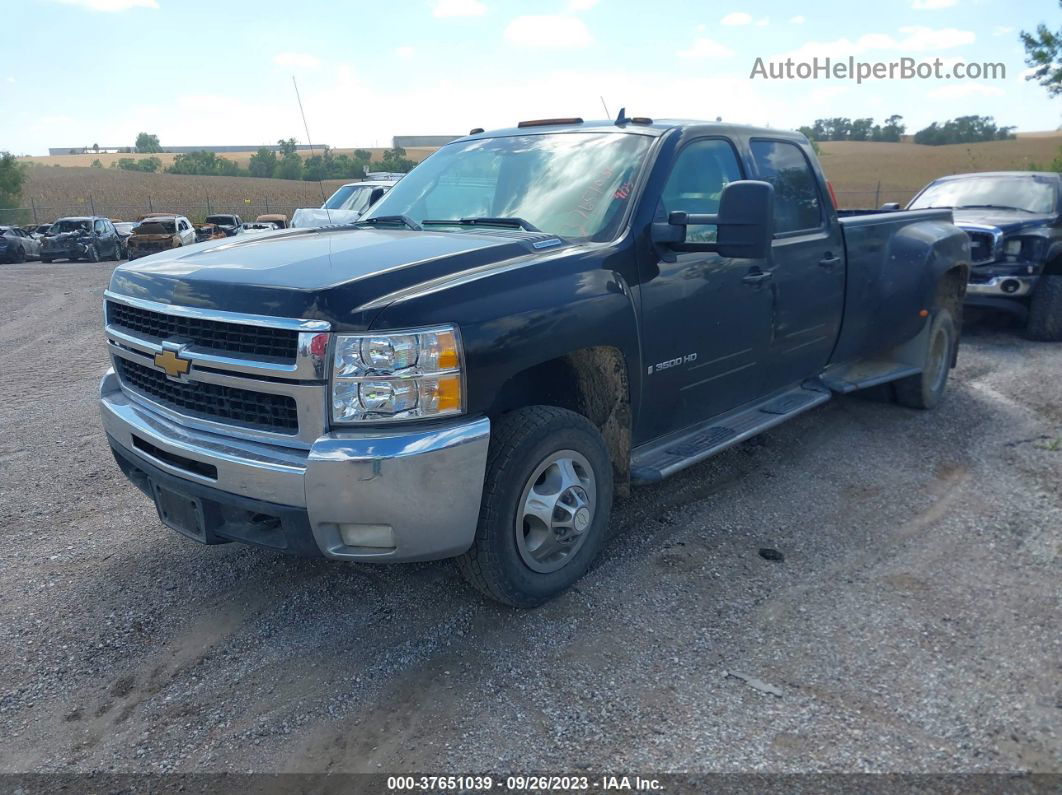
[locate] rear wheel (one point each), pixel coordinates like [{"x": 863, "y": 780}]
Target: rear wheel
[
  {"x": 925, "y": 390},
  {"x": 546, "y": 502},
  {"x": 20, "y": 254},
  {"x": 1045, "y": 310},
  {"x": 46, "y": 260}
]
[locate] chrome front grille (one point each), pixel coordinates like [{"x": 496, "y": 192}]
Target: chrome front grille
[
  {"x": 259, "y": 341},
  {"x": 249, "y": 376},
  {"x": 985, "y": 242},
  {"x": 226, "y": 403}
]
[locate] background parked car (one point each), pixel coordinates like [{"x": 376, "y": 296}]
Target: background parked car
[
  {"x": 278, "y": 220},
  {"x": 229, "y": 224},
  {"x": 39, "y": 231},
  {"x": 344, "y": 206},
  {"x": 204, "y": 232},
  {"x": 82, "y": 237},
  {"x": 257, "y": 227},
  {"x": 1014, "y": 221},
  {"x": 159, "y": 233},
  {"x": 17, "y": 245}
]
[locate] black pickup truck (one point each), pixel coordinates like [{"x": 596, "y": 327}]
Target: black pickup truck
[
  {"x": 1014, "y": 220},
  {"x": 528, "y": 323}
]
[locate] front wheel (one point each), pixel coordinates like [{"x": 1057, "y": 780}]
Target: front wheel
[
  {"x": 925, "y": 390},
  {"x": 46, "y": 260},
  {"x": 93, "y": 254},
  {"x": 1045, "y": 310},
  {"x": 19, "y": 255},
  {"x": 547, "y": 497}
]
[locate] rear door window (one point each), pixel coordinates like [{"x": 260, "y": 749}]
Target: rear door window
[{"x": 797, "y": 206}]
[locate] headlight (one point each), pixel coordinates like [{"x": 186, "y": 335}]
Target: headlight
[
  {"x": 397, "y": 376},
  {"x": 1028, "y": 249}
]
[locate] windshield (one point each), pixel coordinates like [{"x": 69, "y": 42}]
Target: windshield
[
  {"x": 570, "y": 184},
  {"x": 156, "y": 228},
  {"x": 221, "y": 220},
  {"x": 1033, "y": 194},
  {"x": 68, "y": 225},
  {"x": 349, "y": 197}
]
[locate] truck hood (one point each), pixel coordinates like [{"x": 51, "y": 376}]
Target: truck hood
[
  {"x": 338, "y": 275},
  {"x": 1010, "y": 222}
]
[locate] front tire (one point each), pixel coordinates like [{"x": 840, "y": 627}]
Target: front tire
[
  {"x": 1045, "y": 310},
  {"x": 93, "y": 254},
  {"x": 20, "y": 255},
  {"x": 925, "y": 390},
  {"x": 547, "y": 498}
]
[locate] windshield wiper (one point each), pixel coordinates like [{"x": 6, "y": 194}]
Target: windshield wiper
[
  {"x": 486, "y": 221},
  {"x": 390, "y": 219},
  {"x": 991, "y": 207}
]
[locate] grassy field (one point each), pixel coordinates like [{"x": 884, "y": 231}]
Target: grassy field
[
  {"x": 856, "y": 167},
  {"x": 242, "y": 158},
  {"x": 863, "y": 174}
]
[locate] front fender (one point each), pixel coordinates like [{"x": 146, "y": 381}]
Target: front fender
[{"x": 514, "y": 317}]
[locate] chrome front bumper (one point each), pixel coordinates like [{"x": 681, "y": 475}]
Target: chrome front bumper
[
  {"x": 424, "y": 486},
  {"x": 1003, "y": 286}
]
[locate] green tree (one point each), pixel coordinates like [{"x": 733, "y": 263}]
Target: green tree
[
  {"x": 395, "y": 160},
  {"x": 263, "y": 162},
  {"x": 146, "y": 143},
  {"x": 12, "y": 178},
  {"x": 287, "y": 146},
  {"x": 204, "y": 163},
  {"x": 963, "y": 130},
  {"x": 96, "y": 163},
  {"x": 289, "y": 167},
  {"x": 1043, "y": 52}
]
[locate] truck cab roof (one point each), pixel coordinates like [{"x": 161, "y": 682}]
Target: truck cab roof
[{"x": 650, "y": 127}]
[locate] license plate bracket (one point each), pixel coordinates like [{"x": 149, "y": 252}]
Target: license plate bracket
[{"x": 181, "y": 512}]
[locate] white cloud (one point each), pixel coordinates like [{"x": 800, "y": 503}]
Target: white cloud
[
  {"x": 575, "y": 6},
  {"x": 9, "y": 79},
  {"x": 548, "y": 31},
  {"x": 458, "y": 8},
  {"x": 1002, "y": 30},
  {"x": 921, "y": 38},
  {"x": 915, "y": 38},
  {"x": 111, "y": 6},
  {"x": 405, "y": 51},
  {"x": 963, "y": 90},
  {"x": 703, "y": 47},
  {"x": 736, "y": 18},
  {"x": 797, "y": 20},
  {"x": 932, "y": 5},
  {"x": 762, "y": 23},
  {"x": 297, "y": 60}
]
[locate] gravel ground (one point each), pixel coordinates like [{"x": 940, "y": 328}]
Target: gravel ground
[{"x": 914, "y": 624}]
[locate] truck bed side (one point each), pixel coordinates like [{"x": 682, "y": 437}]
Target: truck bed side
[{"x": 895, "y": 261}]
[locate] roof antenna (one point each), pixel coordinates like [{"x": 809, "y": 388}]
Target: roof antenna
[
  {"x": 622, "y": 118},
  {"x": 607, "y": 114},
  {"x": 306, "y": 127}
]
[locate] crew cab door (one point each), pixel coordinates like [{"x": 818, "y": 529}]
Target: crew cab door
[
  {"x": 706, "y": 319},
  {"x": 807, "y": 264}
]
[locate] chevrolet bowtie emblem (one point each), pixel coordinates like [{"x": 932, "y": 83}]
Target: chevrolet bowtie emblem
[{"x": 172, "y": 363}]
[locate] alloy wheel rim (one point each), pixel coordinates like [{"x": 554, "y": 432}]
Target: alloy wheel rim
[{"x": 555, "y": 511}]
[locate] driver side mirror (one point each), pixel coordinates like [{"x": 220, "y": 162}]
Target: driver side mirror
[{"x": 744, "y": 224}]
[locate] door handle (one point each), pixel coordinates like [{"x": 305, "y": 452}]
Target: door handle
[
  {"x": 829, "y": 261},
  {"x": 756, "y": 277}
]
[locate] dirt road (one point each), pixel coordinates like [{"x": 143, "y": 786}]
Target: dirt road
[{"x": 914, "y": 624}]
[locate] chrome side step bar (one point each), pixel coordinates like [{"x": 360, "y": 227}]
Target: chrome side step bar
[{"x": 653, "y": 462}]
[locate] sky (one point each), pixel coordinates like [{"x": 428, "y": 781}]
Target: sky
[{"x": 78, "y": 72}]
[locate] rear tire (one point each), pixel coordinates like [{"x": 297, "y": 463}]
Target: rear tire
[
  {"x": 20, "y": 255},
  {"x": 93, "y": 254},
  {"x": 547, "y": 496},
  {"x": 925, "y": 390},
  {"x": 46, "y": 260},
  {"x": 1045, "y": 310}
]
